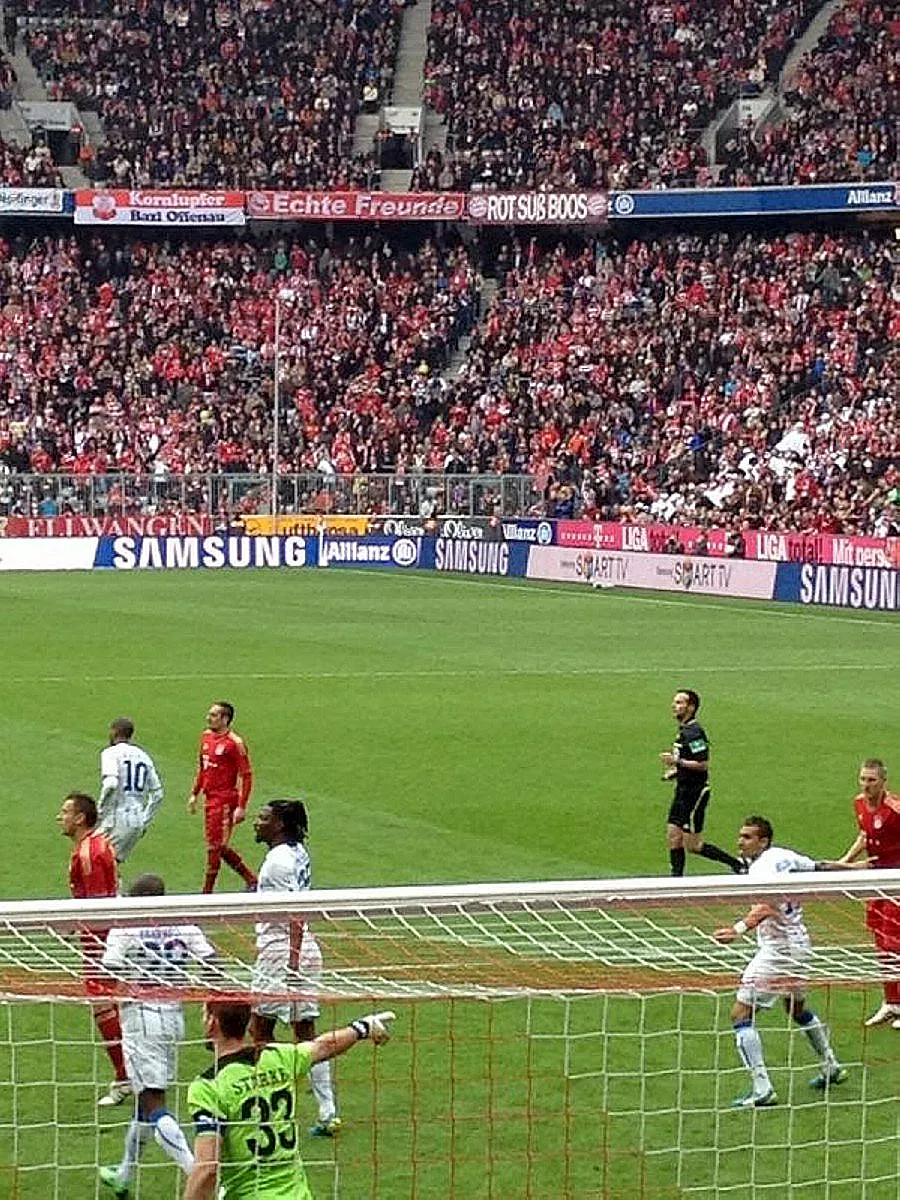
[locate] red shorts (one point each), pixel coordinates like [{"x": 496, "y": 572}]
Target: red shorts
[
  {"x": 93, "y": 943},
  {"x": 883, "y": 919},
  {"x": 218, "y": 821}
]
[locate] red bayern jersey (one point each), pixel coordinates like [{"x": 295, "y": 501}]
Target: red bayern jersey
[
  {"x": 224, "y": 760},
  {"x": 92, "y": 869},
  {"x": 881, "y": 827}
]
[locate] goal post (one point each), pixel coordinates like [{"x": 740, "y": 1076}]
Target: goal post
[{"x": 562, "y": 1039}]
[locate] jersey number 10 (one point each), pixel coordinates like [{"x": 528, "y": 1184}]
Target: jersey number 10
[{"x": 135, "y": 776}]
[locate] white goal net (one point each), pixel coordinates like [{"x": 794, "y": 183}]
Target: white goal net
[{"x": 560, "y": 1039}]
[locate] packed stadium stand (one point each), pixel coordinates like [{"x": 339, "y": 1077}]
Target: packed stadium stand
[
  {"x": 218, "y": 95},
  {"x": 611, "y": 94},
  {"x": 707, "y": 378},
  {"x": 843, "y": 108}
]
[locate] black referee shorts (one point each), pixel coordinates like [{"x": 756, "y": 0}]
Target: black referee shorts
[{"x": 689, "y": 812}]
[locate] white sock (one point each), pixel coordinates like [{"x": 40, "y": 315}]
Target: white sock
[
  {"x": 320, "y": 1081},
  {"x": 818, "y": 1039},
  {"x": 749, "y": 1045},
  {"x": 168, "y": 1135},
  {"x": 137, "y": 1136}
]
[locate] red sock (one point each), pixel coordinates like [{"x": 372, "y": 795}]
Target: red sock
[
  {"x": 892, "y": 991},
  {"x": 107, "y": 1022},
  {"x": 236, "y": 863},
  {"x": 213, "y": 862}
]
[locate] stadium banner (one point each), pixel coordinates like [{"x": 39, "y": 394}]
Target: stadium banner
[
  {"x": 656, "y": 572},
  {"x": 31, "y": 202},
  {"x": 538, "y": 208},
  {"x": 613, "y": 535},
  {"x": 159, "y": 206},
  {"x": 755, "y": 202},
  {"x": 356, "y": 206},
  {"x": 822, "y": 548},
  {"x": 170, "y": 524},
  {"x": 213, "y": 552},
  {"x": 304, "y": 524},
  {"x": 374, "y": 550},
  {"x": 48, "y": 554},
  {"x": 872, "y": 589},
  {"x": 464, "y": 556}
]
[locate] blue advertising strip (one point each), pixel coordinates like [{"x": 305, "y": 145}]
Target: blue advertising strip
[
  {"x": 467, "y": 556},
  {"x": 873, "y": 589},
  {"x": 211, "y": 553},
  {"x": 372, "y": 550},
  {"x": 756, "y": 202}
]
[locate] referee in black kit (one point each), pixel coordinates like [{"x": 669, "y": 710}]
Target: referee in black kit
[{"x": 688, "y": 764}]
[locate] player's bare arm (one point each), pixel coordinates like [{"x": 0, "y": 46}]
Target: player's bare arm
[
  {"x": 756, "y": 914},
  {"x": 855, "y": 850},
  {"x": 201, "y": 1183},
  {"x": 376, "y": 1026}
]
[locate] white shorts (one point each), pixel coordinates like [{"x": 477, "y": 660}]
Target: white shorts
[
  {"x": 773, "y": 971},
  {"x": 124, "y": 831},
  {"x": 150, "y": 1037},
  {"x": 272, "y": 976}
]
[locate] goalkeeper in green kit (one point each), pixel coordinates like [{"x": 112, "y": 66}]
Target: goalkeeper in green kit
[{"x": 244, "y": 1107}]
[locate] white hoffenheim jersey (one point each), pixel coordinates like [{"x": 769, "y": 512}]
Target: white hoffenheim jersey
[
  {"x": 156, "y": 955},
  {"x": 128, "y": 779},
  {"x": 788, "y": 927},
  {"x": 286, "y": 868}
]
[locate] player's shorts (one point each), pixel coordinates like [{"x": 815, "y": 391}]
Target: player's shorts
[
  {"x": 124, "y": 831},
  {"x": 883, "y": 920},
  {"x": 689, "y": 812},
  {"x": 277, "y": 977},
  {"x": 775, "y": 971},
  {"x": 217, "y": 822},
  {"x": 150, "y": 1037}
]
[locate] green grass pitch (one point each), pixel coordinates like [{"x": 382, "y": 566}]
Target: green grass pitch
[{"x": 444, "y": 730}]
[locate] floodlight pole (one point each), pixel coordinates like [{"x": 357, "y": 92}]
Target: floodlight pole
[{"x": 276, "y": 406}]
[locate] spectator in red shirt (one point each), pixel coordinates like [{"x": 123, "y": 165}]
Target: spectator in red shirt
[
  {"x": 223, "y": 762},
  {"x": 92, "y": 875}
]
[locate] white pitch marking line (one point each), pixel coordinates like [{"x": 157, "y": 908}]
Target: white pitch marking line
[{"x": 454, "y": 673}]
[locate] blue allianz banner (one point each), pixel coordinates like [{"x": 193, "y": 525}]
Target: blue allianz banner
[
  {"x": 371, "y": 550},
  {"x": 213, "y": 552},
  {"x": 756, "y": 202},
  {"x": 874, "y": 589}
]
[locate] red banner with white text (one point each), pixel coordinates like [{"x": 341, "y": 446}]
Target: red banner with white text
[
  {"x": 167, "y": 207},
  {"x": 356, "y": 206},
  {"x": 538, "y": 208},
  {"x": 169, "y": 525}
]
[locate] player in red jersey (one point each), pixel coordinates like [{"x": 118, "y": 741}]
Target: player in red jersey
[
  {"x": 93, "y": 875},
  {"x": 878, "y": 818},
  {"x": 223, "y": 761}
]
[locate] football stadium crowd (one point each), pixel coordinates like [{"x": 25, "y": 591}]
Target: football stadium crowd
[
  {"x": 713, "y": 378},
  {"x": 218, "y": 95}
]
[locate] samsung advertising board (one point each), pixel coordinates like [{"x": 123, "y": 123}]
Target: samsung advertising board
[
  {"x": 655, "y": 572},
  {"x": 870, "y": 589},
  {"x": 210, "y": 553}
]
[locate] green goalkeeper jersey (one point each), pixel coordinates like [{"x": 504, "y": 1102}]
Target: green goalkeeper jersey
[{"x": 249, "y": 1099}]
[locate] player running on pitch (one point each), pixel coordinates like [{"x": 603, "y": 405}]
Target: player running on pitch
[
  {"x": 288, "y": 957},
  {"x": 130, "y": 789},
  {"x": 777, "y": 968},
  {"x": 223, "y": 761},
  {"x": 147, "y": 958}
]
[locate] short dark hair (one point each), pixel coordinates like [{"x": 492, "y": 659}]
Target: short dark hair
[
  {"x": 84, "y": 804},
  {"x": 293, "y": 818},
  {"x": 148, "y": 885},
  {"x": 693, "y": 698},
  {"x": 876, "y": 764},
  {"x": 122, "y": 727},
  {"x": 232, "y": 1016},
  {"x": 227, "y": 709},
  {"x": 764, "y": 827}
]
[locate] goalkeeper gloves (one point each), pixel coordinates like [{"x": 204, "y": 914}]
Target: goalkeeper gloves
[{"x": 376, "y": 1026}]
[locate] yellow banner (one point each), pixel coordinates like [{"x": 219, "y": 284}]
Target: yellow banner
[{"x": 305, "y": 524}]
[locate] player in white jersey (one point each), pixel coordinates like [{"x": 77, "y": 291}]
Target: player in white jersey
[
  {"x": 130, "y": 789},
  {"x": 151, "y": 957},
  {"x": 287, "y": 955},
  {"x": 778, "y": 967}
]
